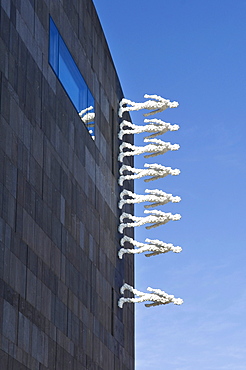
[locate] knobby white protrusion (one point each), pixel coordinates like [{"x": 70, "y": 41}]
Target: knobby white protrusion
[
  {"x": 86, "y": 117},
  {"x": 155, "y": 217},
  {"x": 157, "y": 147},
  {"x": 157, "y": 126},
  {"x": 156, "y": 171},
  {"x": 157, "y": 296},
  {"x": 156, "y": 104},
  {"x": 154, "y": 246},
  {"x": 155, "y": 196}
]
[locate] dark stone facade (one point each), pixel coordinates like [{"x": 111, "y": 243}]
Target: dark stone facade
[{"x": 59, "y": 271}]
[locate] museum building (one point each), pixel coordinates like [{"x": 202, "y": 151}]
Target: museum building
[{"x": 60, "y": 275}]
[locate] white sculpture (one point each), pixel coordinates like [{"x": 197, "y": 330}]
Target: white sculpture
[
  {"x": 154, "y": 246},
  {"x": 156, "y": 197},
  {"x": 156, "y": 218},
  {"x": 156, "y": 147},
  {"x": 156, "y": 171},
  {"x": 159, "y": 198},
  {"x": 157, "y": 104},
  {"x": 157, "y": 126},
  {"x": 157, "y": 296}
]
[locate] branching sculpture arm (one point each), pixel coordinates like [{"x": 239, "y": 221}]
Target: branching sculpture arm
[
  {"x": 157, "y": 197},
  {"x": 156, "y": 218},
  {"x": 156, "y": 171},
  {"x": 156, "y": 104},
  {"x": 157, "y": 126},
  {"x": 157, "y": 296},
  {"x": 154, "y": 246},
  {"x": 156, "y": 147}
]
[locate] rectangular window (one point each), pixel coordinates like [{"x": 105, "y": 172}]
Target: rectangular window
[{"x": 70, "y": 77}]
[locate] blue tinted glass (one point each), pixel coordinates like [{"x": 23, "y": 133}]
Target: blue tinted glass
[
  {"x": 69, "y": 74},
  {"x": 72, "y": 80},
  {"x": 83, "y": 101},
  {"x": 91, "y": 101},
  {"x": 53, "y": 46}
]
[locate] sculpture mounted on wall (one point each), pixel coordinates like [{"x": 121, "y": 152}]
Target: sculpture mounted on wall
[
  {"x": 155, "y": 196},
  {"x": 156, "y": 147},
  {"x": 157, "y": 296},
  {"x": 156, "y": 104},
  {"x": 154, "y": 127},
  {"x": 154, "y": 170},
  {"x": 157, "y": 218},
  {"x": 155, "y": 247}
]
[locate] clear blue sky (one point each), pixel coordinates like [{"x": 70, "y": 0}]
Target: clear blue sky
[{"x": 193, "y": 52}]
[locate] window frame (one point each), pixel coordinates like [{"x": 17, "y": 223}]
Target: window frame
[{"x": 70, "y": 77}]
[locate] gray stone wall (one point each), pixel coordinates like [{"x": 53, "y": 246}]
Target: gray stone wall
[{"x": 59, "y": 271}]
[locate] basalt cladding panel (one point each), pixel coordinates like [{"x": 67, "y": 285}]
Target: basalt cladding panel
[{"x": 59, "y": 271}]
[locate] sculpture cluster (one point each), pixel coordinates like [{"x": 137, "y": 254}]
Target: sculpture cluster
[{"x": 155, "y": 197}]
